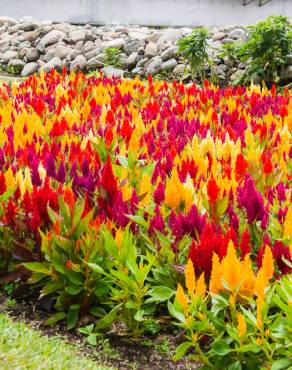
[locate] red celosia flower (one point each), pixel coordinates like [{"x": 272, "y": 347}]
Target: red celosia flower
[
  {"x": 2, "y": 183},
  {"x": 68, "y": 264},
  {"x": 212, "y": 190},
  {"x": 245, "y": 244},
  {"x": 240, "y": 167}
]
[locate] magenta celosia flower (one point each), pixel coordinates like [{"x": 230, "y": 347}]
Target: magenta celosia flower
[
  {"x": 61, "y": 174},
  {"x": 50, "y": 165},
  {"x": 281, "y": 192},
  {"x": 159, "y": 194},
  {"x": 251, "y": 199}
]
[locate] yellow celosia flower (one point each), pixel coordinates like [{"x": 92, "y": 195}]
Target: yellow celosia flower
[
  {"x": 241, "y": 325},
  {"x": 177, "y": 193},
  {"x": 145, "y": 189},
  {"x": 231, "y": 269},
  {"x": 134, "y": 143},
  {"x": 190, "y": 277}
]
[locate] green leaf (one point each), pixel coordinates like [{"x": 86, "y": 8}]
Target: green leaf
[
  {"x": 78, "y": 211},
  {"x": 222, "y": 206},
  {"x": 284, "y": 363},
  {"x": 248, "y": 348},
  {"x": 139, "y": 220},
  {"x": 91, "y": 339},
  {"x": 58, "y": 316},
  {"x": 74, "y": 277},
  {"x": 72, "y": 316},
  {"x": 97, "y": 311},
  {"x": 86, "y": 329},
  {"x": 172, "y": 309},
  {"x": 160, "y": 294},
  {"x": 38, "y": 267},
  {"x": 139, "y": 315},
  {"x": 181, "y": 350},
  {"x": 73, "y": 289},
  {"x": 221, "y": 348},
  {"x": 106, "y": 321},
  {"x": 234, "y": 366}
]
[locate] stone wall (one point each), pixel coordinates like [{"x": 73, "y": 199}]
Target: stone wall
[{"x": 29, "y": 46}]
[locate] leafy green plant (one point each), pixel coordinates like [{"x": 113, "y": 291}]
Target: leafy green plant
[
  {"x": 194, "y": 49},
  {"x": 112, "y": 57},
  {"x": 68, "y": 249},
  {"x": 265, "y": 50},
  {"x": 226, "y": 335}
]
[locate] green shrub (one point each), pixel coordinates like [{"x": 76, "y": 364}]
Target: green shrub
[
  {"x": 265, "y": 50},
  {"x": 113, "y": 57},
  {"x": 194, "y": 49}
]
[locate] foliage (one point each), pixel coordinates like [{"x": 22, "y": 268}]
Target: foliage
[
  {"x": 265, "y": 50},
  {"x": 112, "y": 57},
  {"x": 194, "y": 49},
  {"x": 223, "y": 330}
]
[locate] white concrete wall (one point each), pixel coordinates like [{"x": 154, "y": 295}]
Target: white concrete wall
[{"x": 146, "y": 12}]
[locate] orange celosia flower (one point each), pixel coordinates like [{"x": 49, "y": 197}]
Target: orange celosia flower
[
  {"x": 69, "y": 197},
  {"x": 190, "y": 277},
  {"x": 241, "y": 326},
  {"x": 56, "y": 227},
  {"x": 201, "y": 286},
  {"x": 181, "y": 297},
  {"x": 215, "y": 285},
  {"x": 119, "y": 238}
]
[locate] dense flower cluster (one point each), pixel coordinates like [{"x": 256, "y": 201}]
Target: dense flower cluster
[{"x": 202, "y": 167}]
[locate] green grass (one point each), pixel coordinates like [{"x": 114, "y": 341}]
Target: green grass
[{"x": 22, "y": 348}]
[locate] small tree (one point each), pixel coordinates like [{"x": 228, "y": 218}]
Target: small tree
[{"x": 194, "y": 49}]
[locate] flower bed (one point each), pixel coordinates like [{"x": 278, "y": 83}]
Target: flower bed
[{"x": 110, "y": 187}]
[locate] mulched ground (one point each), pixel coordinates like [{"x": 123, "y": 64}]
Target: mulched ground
[{"x": 113, "y": 349}]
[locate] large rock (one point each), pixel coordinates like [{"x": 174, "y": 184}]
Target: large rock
[
  {"x": 29, "y": 69},
  {"x": 16, "y": 63},
  {"x": 94, "y": 63},
  {"x": 78, "y": 63},
  {"x": 7, "y": 20},
  {"x": 132, "y": 60},
  {"x": 51, "y": 38},
  {"x": 170, "y": 35},
  {"x": 50, "y": 54},
  {"x": 151, "y": 50},
  {"x": 170, "y": 53},
  {"x": 116, "y": 43},
  {"x": 154, "y": 66},
  {"x": 77, "y": 35},
  {"x": 8, "y": 55},
  {"x": 218, "y": 36},
  {"x": 131, "y": 46},
  {"x": 32, "y": 55},
  {"x": 112, "y": 72},
  {"x": 55, "y": 63},
  {"x": 62, "y": 51},
  {"x": 287, "y": 74},
  {"x": 170, "y": 64},
  {"x": 31, "y": 36},
  {"x": 237, "y": 34}
]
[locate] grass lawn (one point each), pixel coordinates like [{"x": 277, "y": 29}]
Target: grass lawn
[{"x": 22, "y": 348}]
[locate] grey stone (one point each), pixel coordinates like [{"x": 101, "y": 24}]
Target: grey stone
[
  {"x": 237, "y": 34},
  {"x": 151, "y": 50},
  {"x": 154, "y": 66},
  {"x": 170, "y": 64},
  {"x": 64, "y": 27},
  {"x": 50, "y": 54},
  {"x": 16, "y": 63},
  {"x": 116, "y": 43},
  {"x": 93, "y": 53},
  {"x": 170, "y": 53},
  {"x": 8, "y": 55},
  {"x": 32, "y": 55},
  {"x": 79, "y": 45},
  {"x": 287, "y": 74},
  {"x": 218, "y": 36},
  {"x": 94, "y": 63},
  {"x": 142, "y": 62},
  {"x": 74, "y": 53},
  {"x": 138, "y": 71},
  {"x": 132, "y": 60},
  {"x": 77, "y": 35},
  {"x": 170, "y": 35},
  {"x": 62, "y": 51},
  {"x": 136, "y": 35},
  {"x": 289, "y": 59},
  {"x": 88, "y": 46},
  {"x": 132, "y": 46},
  {"x": 153, "y": 37},
  {"x": 31, "y": 36},
  {"x": 29, "y": 69},
  {"x": 237, "y": 75},
  {"x": 180, "y": 69},
  {"x": 227, "y": 40},
  {"x": 78, "y": 63},
  {"x": 7, "y": 20},
  {"x": 55, "y": 63},
  {"x": 51, "y": 38},
  {"x": 113, "y": 72}
]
